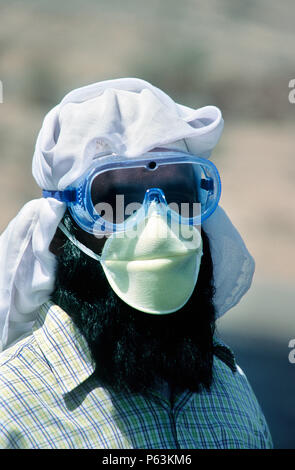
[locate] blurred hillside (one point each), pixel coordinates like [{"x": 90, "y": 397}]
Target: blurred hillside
[{"x": 235, "y": 54}]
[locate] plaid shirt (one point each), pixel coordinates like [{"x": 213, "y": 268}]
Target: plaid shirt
[{"x": 50, "y": 399}]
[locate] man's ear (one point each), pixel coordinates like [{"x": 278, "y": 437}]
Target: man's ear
[{"x": 57, "y": 242}]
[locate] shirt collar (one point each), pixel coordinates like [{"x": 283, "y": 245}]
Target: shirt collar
[{"x": 63, "y": 346}]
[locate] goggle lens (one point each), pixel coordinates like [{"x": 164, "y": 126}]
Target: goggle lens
[
  {"x": 118, "y": 193},
  {"x": 115, "y": 187}
]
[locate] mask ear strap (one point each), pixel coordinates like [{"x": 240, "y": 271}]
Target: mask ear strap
[{"x": 78, "y": 244}]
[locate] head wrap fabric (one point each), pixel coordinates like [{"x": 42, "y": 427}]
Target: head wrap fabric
[
  {"x": 127, "y": 116},
  {"x": 124, "y": 116},
  {"x": 26, "y": 266}
]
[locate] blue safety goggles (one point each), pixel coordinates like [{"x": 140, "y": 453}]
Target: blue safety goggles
[{"x": 116, "y": 192}]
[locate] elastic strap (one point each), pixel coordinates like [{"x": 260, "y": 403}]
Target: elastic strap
[
  {"x": 67, "y": 195},
  {"x": 78, "y": 244}
]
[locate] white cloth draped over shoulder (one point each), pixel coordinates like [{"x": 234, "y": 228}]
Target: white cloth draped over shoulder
[{"x": 128, "y": 116}]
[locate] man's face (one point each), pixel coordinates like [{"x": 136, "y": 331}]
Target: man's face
[{"x": 131, "y": 349}]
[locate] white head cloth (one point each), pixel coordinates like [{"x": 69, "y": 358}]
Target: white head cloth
[{"x": 127, "y": 116}]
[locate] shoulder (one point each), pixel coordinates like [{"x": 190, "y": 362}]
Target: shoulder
[
  {"x": 23, "y": 378},
  {"x": 234, "y": 397},
  {"x": 228, "y": 377},
  {"x": 229, "y": 380},
  {"x": 20, "y": 353},
  {"x": 21, "y": 368},
  {"x": 13, "y": 353}
]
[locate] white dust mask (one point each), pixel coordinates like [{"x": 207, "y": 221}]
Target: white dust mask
[{"x": 153, "y": 268}]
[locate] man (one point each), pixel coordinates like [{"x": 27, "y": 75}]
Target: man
[{"x": 112, "y": 283}]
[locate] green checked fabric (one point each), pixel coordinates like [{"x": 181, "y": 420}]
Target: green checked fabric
[{"x": 50, "y": 399}]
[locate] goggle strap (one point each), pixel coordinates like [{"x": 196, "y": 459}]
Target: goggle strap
[{"x": 68, "y": 195}]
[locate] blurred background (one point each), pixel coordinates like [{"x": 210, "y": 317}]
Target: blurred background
[{"x": 235, "y": 54}]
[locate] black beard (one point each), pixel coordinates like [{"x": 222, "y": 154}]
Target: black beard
[{"x": 132, "y": 350}]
